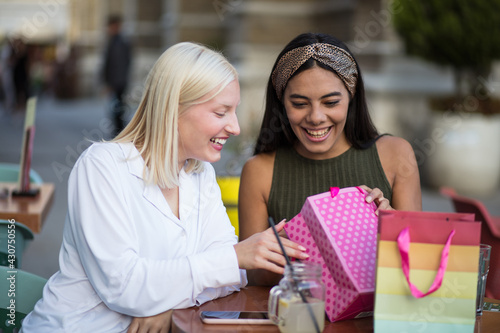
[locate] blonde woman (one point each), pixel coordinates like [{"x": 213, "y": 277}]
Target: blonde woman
[{"x": 146, "y": 230}]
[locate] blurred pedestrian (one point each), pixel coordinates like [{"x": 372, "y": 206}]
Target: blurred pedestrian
[
  {"x": 116, "y": 68},
  {"x": 21, "y": 76},
  {"x": 8, "y": 60}
]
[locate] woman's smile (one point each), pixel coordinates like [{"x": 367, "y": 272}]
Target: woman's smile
[
  {"x": 318, "y": 135},
  {"x": 217, "y": 143}
]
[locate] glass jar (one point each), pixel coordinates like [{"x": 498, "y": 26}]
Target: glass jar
[{"x": 297, "y": 304}]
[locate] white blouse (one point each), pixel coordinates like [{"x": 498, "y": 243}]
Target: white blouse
[{"x": 125, "y": 254}]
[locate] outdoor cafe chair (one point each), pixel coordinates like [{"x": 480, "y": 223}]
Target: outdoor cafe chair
[
  {"x": 28, "y": 289},
  {"x": 490, "y": 234},
  {"x": 14, "y": 237},
  {"x": 9, "y": 172}
]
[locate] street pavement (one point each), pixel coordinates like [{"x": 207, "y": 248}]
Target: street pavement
[{"x": 64, "y": 129}]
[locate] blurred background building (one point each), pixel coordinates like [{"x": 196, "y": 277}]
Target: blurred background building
[{"x": 66, "y": 38}]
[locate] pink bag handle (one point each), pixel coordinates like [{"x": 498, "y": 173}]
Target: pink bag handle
[
  {"x": 404, "y": 248},
  {"x": 335, "y": 190}
]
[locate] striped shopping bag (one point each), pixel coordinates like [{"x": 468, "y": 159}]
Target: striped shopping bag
[{"x": 427, "y": 271}]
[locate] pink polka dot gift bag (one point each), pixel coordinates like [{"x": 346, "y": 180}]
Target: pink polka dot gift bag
[{"x": 339, "y": 229}]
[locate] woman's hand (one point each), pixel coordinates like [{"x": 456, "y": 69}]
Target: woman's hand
[
  {"x": 262, "y": 250},
  {"x": 155, "y": 324},
  {"x": 377, "y": 196}
]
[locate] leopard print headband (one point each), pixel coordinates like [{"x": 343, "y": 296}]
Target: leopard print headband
[{"x": 334, "y": 57}]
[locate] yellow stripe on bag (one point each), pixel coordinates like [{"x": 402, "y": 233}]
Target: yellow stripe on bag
[
  {"x": 455, "y": 284},
  {"x": 428, "y": 309},
  {"x": 462, "y": 258}
]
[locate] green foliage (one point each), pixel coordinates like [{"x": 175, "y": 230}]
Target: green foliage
[{"x": 464, "y": 34}]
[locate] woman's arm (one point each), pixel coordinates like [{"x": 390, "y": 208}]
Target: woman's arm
[
  {"x": 401, "y": 169},
  {"x": 155, "y": 324},
  {"x": 255, "y": 185},
  {"x": 262, "y": 251}
]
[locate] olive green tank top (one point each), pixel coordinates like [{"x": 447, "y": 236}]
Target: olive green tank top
[{"x": 296, "y": 177}]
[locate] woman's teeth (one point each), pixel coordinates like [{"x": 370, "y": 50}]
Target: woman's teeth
[
  {"x": 218, "y": 141},
  {"x": 318, "y": 134}
]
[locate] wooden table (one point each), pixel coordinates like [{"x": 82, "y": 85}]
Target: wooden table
[
  {"x": 30, "y": 211},
  {"x": 255, "y": 299}
]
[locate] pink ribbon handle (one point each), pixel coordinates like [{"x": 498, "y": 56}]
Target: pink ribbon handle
[
  {"x": 334, "y": 191},
  {"x": 404, "y": 249}
]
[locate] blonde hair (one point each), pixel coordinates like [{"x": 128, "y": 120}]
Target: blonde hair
[{"x": 182, "y": 75}]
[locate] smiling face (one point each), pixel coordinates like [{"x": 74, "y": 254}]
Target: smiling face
[
  {"x": 205, "y": 127},
  {"x": 316, "y": 103}
]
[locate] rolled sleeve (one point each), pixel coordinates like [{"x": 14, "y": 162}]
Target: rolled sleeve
[{"x": 219, "y": 267}]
